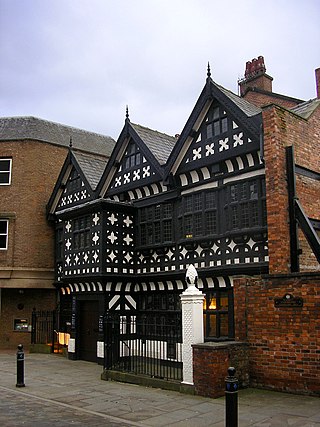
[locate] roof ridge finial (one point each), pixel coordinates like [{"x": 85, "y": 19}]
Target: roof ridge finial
[
  {"x": 208, "y": 70},
  {"x": 70, "y": 142},
  {"x": 127, "y": 113}
]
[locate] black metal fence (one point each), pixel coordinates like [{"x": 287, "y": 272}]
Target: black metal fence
[
  {"x": 144, "y": 345},
  {"x": 43, "y": 328}
]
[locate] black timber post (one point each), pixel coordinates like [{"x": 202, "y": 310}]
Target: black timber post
[{"x": 293, "y": 224}]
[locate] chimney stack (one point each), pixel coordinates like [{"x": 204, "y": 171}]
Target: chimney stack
[
  {"x": 255, "y": 77},
  {"x": 318, "y": 82}
]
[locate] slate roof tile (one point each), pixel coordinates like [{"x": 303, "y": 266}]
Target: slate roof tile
[{"x": 33, "y": 128}]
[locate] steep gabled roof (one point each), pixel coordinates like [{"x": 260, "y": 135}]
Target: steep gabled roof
[
  {"x": 92, "y": 167},
  {"x": 155, "y": 147},
  {"x": 160, "y": 144},
  {"x": 241, "y": 110},
  {"x": 33, "y": 128},
  {"x": 249, "y": 109},
  {"x": 89, "y": 167}
]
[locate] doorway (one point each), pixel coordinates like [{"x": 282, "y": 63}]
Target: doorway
[{"x": 88, "y": 331}]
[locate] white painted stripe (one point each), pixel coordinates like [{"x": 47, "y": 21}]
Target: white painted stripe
[
  {"x": 244, "y": 176},
  {"x": 240, "y": 163},
  {"x": 250, "y": 160},
  {"x": 194, "y": 176},
  {"x": 229, "y": 166},
  {"x": 208, "y": 186},
  {"x": 183, "y": 180},
  {"x": 205, "y": 173}
]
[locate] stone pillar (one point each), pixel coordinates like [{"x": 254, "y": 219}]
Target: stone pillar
[{"x": 192, "y": 323}]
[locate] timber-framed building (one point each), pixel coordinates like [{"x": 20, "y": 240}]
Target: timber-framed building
[{"x": 127, "y": 230}]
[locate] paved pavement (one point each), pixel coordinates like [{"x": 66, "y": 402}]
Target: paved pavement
[{"x": 61, "y": 392}]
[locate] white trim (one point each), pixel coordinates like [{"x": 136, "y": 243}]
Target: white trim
[
  {"x": 5, "y": 234},
  {"x": 246, "y": 175},
  {"x": 5, "y": 159}
]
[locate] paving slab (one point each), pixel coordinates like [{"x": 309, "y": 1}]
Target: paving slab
[{"x": 61, "y": 392}]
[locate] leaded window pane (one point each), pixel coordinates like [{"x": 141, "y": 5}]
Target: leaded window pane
[
  {"x": 216, "y": 128},
  {"x": 210, "y": 200},
  {"x": 245, "y": 219},
  {"x": 224, "y": 125},
  {"x": 197, "y": 224},
  {"x": 167, "y": 231},
  {"x": 211, "y": 222}
]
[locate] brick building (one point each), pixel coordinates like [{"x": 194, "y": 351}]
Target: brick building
[
  {"x": 32, "y": 152},
  {"x": 237, "y": 196}
]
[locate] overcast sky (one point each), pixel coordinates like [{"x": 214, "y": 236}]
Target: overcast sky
[{"x": 80, "y": 62}]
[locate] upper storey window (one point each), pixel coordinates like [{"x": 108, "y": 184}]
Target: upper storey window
[
  {"x": 245, "y": 205},
  {"x": 81, "y": 232},
  {"x": 156, "y": 224},
  {"x": 5, "y": 171},
  {"x": 217, "y": 122},
  {"x": 197, "y": 215},
  {"x": 133, "y": 157},
  {"x": 4, "y": 234}
]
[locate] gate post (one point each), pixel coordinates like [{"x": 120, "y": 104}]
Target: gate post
[{"x": 192, "y": 322}]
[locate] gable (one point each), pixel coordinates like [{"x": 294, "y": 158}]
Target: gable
[
  {"x": 75, "y": 191},
  {"x": 72, "y": 187},
  {"x": 134, "y": 170},
  {"x": 134, "y": 162},
  {"x": 219, "y": 137}
]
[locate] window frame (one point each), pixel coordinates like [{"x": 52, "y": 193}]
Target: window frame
[
  {"x": 242, "y": 210},
  {"x": 155, "y": 224},
  {"x": 193, "y": 210},
  {"x": 81, "y": 233},
  {"x": 9, "y": 171},
  {"x": 6, "y": 234},
  {"x": 218, "y": 312}
]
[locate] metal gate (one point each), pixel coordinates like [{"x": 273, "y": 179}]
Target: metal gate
[
  {"x": 43, "y": 328},
  {"x": 144, "y": 345}
]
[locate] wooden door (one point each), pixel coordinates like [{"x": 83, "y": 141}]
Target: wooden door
[{"x": 88, "y": 331}]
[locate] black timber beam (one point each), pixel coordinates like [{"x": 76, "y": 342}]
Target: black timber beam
[
  {"x": 293, "y": 224},
  {"x": 308, "y": 230}
]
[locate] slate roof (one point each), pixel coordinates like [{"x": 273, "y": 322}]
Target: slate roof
[
  {"x": 33, "y": 128},
  {"x": 248, "y": 108},
  {"x": 305, "y": 109},
  {"x": 160, "y": 144},
  {"x": 92, "y": 166}
]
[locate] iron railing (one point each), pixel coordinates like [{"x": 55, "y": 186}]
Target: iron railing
[{"x": 144, "y": 345}]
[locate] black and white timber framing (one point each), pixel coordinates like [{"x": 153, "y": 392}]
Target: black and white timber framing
[{"x": 130, "y": 228}]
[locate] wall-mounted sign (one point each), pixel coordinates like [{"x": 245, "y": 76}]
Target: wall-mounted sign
[
  {"x": 20, "y": 325},
  {"x": 288, "y": 301}
]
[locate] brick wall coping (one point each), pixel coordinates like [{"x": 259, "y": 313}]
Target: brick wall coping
[{"x": 213, "y": 345}]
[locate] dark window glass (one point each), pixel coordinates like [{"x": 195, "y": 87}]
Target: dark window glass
[
  {"x": 3, "y": 233},
  {"x": 224, "y": 125},
  {"x": 209, "y": 131},
  {"x": 81, "y": 233},
  {"x": 5, "y": 171},
  {"x": 216, "y": 128},
  {"x": 155, "y": 224},
  {"x": 198, "y": 215}
]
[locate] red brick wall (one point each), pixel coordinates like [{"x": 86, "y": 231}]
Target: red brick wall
[
  {"x": 260, "y": 99},
  {"x": 211, "y": 362},
  {"x": 282, "y": 129},
  {"x": 283, "y": 342}
]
